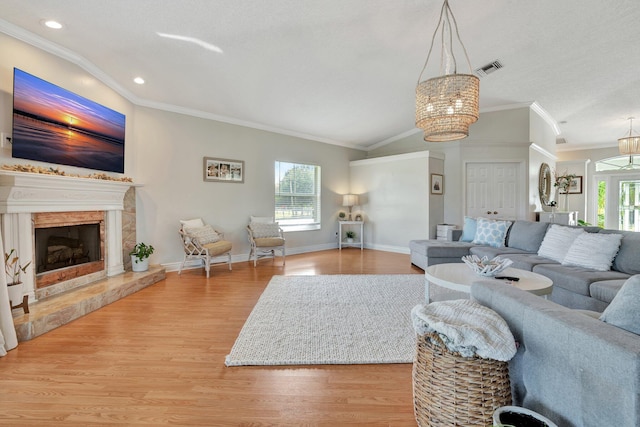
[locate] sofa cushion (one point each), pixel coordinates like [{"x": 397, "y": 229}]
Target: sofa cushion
[
  {"x": 468, "y": 229},
  {"x": 527, "y": 235},
  {"x": 627, "y": 259},
  {"x": 575, "y": 279},
  {"x": 491, "y": 232},
  {"x": 527, "y": 261},
  {"x": 492, "y": 252},
  {"x": 624, "y": 310},
  {"x": 557, "y": 241},
  {"x": 593, "y": 250},
  {"x": 606, "y": 290},
  {"x": 440, "y": 248}
]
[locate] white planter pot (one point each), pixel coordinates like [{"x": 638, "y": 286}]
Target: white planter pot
[
  {"x": 349, "y": 240},
  {"x": 16, "y": 293},
  {"x": 498, "y": 417},
  {"x": 139, "y": 265}
]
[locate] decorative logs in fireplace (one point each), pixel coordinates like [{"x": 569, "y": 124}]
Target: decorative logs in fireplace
[{"x": 65, "y": 251}]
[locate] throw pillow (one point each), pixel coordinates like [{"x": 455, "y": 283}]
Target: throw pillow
[
  {"x": 624, "y": 310},
  {"x": 192, "y": 223},
  {"x": 593, "y": 250},
  {"x": 491, "y": 232},
  {"x": 468, "y": 229},
  {"x": 557, "y": 241},
  {"x": 261, "y": 229},
  {"x": 203, "y": 235}
]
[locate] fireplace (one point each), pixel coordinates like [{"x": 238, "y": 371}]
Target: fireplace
[
  {"x": 81, "y": 217},
  {"x": 67, "y": 245}
]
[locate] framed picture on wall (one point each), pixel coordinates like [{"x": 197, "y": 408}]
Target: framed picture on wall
[
  {"x": 437, "y": 183},
  {"x": 223, "y": 170},
  {"x": 575, "y": 186}
]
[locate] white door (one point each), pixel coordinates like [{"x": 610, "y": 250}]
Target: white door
[{"x": 492, "y": 190}]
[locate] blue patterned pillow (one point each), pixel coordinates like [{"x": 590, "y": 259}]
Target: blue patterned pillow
[
  {"x": 468, "y": 229},
  {"x": 491, "y": 232}
]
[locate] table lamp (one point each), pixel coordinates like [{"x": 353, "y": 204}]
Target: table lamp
[{"x": 349, "y": 200}]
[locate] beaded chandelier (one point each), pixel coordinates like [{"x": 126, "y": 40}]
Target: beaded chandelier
[{"x": 448, "y": 104}]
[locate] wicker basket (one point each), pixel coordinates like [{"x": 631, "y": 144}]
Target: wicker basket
[{"x": 451, "y": 390}]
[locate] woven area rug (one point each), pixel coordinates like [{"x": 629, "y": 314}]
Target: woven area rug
[{"x": 331, "y": 319}]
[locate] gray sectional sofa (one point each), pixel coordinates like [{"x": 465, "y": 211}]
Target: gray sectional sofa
[
  {"x": 575, "y": 369},
  {"x": 573, "y": 286}
]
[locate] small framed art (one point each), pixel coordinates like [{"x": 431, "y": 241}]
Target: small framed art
[
  {"x": 437, "y": 183},
  {"x": 575, "y": 186},
  {"x": 223, "y": 170}
]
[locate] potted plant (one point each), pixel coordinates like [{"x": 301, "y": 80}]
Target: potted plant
[
  {"x": 13, "y": 268},
  {"x": 342, "y": 216},
  {"x": 140, "y": 256},
  {"x": 350, "y": 236}
]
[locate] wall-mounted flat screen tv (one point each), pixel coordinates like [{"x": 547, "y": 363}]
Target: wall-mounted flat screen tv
[{"x": 54, "y": 125}]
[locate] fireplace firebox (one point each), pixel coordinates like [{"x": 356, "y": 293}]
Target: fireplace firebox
[{"x": 68, "y": 245}]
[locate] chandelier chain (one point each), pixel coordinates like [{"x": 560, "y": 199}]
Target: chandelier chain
[{"x": 448, "y": 15}]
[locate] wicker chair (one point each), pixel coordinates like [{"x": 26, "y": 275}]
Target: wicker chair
[
  {"x": 265, "y": 239},
  {"x": 195, "y": 247}
]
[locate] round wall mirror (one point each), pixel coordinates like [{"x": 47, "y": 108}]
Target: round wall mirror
[{"x": 544, "y": 185}]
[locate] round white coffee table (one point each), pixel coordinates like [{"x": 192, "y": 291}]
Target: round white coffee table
[{"x": 456, "y": 279}]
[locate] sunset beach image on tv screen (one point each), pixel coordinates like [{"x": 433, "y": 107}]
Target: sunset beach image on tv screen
[{"x": 54, "y": 125}]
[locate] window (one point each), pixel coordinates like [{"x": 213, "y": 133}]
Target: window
[
  {"x": 629, "y": 207},
  {"x": 297, "y": 194}
]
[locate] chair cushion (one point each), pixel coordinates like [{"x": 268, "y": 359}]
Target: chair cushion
[
  {"x": 557, "y": 241},
  {"x": 624, "y": 310},
  {"x": 593, "y": 250},
  {"x": 260, "y": 229},
  {"x": 218, "y": 247},
  {"x": 264, "y": 242},
  {"x": 204, "y": 235},
  {"x": 192, "y": 223}
]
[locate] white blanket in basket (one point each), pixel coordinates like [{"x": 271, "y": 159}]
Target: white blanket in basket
[{"x": 467, "y": 328}]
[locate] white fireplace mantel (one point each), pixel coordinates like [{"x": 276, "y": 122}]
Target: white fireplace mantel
[{"x": 22, "y": 194}]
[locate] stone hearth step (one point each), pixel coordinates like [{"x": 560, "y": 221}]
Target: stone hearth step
[{"x": 50, "y": 313}]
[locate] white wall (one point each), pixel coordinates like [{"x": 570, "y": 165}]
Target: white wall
[
  {"x": 395, "y": 199},
  {"x": 170, "y": 149},
  {"x": 164, "y": 153},
  {"x": 59, "y": 72},
  {"x": 503, "y": 136}
]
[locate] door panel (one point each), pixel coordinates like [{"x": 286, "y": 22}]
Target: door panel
[{"x": 492, "y": 190}]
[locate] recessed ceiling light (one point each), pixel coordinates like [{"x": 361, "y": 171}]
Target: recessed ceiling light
[
  {"x": 139, "y": 80},
  {"x": 52, "y": 24}
]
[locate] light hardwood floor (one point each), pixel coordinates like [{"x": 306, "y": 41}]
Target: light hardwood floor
[{"x": 157, "y": 358}]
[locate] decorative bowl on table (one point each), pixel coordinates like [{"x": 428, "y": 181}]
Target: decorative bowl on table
[{"x": 485, "y": 266}]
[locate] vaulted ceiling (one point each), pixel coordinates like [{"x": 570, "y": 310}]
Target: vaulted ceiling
[{"x": 345, "y": 71}]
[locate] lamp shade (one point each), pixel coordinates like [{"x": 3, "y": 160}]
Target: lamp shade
[
  {"x": 629, "y": 145},
  {"x": 446, "y": 106},
  {"x": 349, "y": 200}
]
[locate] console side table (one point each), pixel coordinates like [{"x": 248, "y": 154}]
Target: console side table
[{"x": 349, "y": 225}]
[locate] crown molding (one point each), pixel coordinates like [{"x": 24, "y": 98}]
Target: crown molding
[{"x": 82, "y": 62}]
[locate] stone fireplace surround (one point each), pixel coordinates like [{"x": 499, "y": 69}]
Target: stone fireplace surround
[{"x": 23, "y": 194}]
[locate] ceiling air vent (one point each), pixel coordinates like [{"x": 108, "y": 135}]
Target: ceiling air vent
[
  {"x": 489, "y": 68},
  {"x": 561, "y": 141}
]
